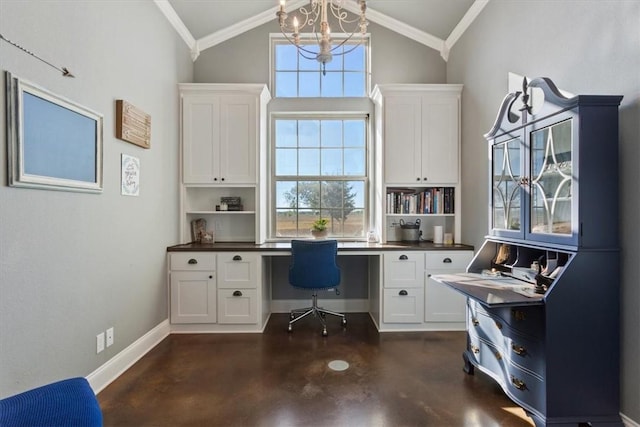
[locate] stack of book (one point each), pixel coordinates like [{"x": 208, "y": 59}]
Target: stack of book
[{"x": 432, "y": 200}]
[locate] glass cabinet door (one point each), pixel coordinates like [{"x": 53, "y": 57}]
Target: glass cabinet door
[
  {"x": 506, "y": 182},
  {"x": 550, "y": 180}
]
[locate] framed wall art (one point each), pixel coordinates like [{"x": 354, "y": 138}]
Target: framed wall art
[
  {"x": 53, "y": 143},
  {"x": 130, "y": 180}
]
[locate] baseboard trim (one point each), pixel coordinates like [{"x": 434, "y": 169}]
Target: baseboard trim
[
  {"x": 118, "y": 364},
  {"x": 339, "y": 305},
  {"x": 628, "y": 422}
]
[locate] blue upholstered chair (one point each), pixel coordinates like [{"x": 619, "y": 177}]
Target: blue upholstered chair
[
  {"x": 65, "y": 403},
  {"x": 313, "y": 266}
]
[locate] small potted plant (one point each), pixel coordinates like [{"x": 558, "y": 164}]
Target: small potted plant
[{"x": 319, "y": 228}]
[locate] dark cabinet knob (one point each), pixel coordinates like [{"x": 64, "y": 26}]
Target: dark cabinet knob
[
  {"x": 210, "y": 277},
  {"x": 403, "y": 293},
  {"x": 403, "y": 257},
  {"x": 193, "y": 261},
  {"x": 447, "y": 260},
  {"x": 237, "y": 258},
  {"x": 215, "y": 179},
  {"x": 418, "y": 179},
  {"x": 237, "y": 293},
  {"x": 222, "y": 179},
  {"x": 424, "y": 179}
]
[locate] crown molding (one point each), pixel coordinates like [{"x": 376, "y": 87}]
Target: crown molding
[
  {"x": 462, "y": 26},
  {"x": 399, "y": 27},
  {"x": 246, "y": 25},
  {"x": 169, "y": 12},
  {"x": 422, "y": 37}
]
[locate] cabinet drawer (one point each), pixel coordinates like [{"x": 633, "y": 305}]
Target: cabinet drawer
[
  {"x": 526, "y": 353},
  {"x": 405, "y": 305},
  {"x": 488, "y": 356},
  {"x": 526, "y": 387},
  {"x": 193, "y": 261},
  {"x": 403, "y": 269},
  {"x": 486, "y": 327},
  {"x": 237, "y": 270},
  {"x": 238, "y": 306},
  {"x": 453, "y": 260}
]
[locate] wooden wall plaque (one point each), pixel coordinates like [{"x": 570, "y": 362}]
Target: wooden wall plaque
[{"x": 132, "y": 124}]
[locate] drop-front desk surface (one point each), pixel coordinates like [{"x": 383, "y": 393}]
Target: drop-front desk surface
[{"x": 235, "y": 286}]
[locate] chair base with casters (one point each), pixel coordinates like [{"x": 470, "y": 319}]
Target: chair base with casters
[{"x": 318, "y": 312}]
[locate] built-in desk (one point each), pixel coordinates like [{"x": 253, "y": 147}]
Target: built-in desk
[{"x": 227, "y": 286}]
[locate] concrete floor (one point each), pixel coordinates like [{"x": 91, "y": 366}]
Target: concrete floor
[{"x": 283, "y": 379}]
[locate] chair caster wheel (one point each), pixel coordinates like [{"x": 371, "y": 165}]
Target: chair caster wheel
[
  {"x": 292, "y": 316},
  {"x": 324, "y": 332},
  {"x": 289, "y": 328},
  {"x": 344, "y": 321}
]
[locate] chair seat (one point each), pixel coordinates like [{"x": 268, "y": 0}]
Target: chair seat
[{"x": 69, "y": 402}]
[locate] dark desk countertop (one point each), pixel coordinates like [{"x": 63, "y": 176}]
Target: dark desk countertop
[{"x": 342, "y": 247}]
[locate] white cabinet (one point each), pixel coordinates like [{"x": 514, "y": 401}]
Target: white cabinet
[
  {"x": 417, "y": 131},
  {"x": 193, "y": 287},
  {"x": 223, "y": 137},
  {"x": 403, "y": 293},
  {"x": 421, "y": 133},
  {"x": 220, "y": 133},
  {"x": 238, "y": 276},
  {"x": 441, "y": 303},
  {"x": 410, "y": 300},
  {"x": 216, "y": 291}
]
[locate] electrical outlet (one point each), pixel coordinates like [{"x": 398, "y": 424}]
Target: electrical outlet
[
  {"x": 110, "y": 337},
  {"x": 100, "y": 342}
]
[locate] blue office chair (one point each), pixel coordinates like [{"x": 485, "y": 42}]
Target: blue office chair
[{"x": 313, "y": 266}]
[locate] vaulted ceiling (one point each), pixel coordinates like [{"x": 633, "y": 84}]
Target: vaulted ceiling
[{"x": 435, "y": 23}]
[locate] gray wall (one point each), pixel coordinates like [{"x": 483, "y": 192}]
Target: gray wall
[
  {"x": 73, "y": 264},
  {"x": 245, "y": 59},
  {"x": 585, "y": 47}
]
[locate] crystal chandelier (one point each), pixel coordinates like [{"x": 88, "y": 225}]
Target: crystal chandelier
[{"x": 315, "y": 14}]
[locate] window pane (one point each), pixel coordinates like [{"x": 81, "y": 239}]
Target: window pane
[
  {"x": 354, "y": 84},
  {"x": 354, "y": 161},
  {"x": 332, "y": 84},
  {"x": 331, "y": 131},
  {"x": 309, "y": 161},
  {"x": 356, "y": 188},
  {"x": 286, "y": 84},
  {"x": 336, "y": 62},
  {"x": 309, "y": 64},
  {"x": 286, "y": 162},
  {"x": 286, "y": 194},
  {"x": 354, "y": 60},
  {"x": 353, "y": 225},
  {"x": 309, "y": 194},
  {"x": 332, "y": 162},
  {"x": 305, "y": 221},
  {"x": 354, "y": 133},
  {"x": 309, "y": 85},
  {"x": 332, "y": 194},
  {"x": 286, "y": 133},
  {"x": 286, "y": 223},
  {"x": 309, "y": 133},
  {"x": 286, "y": 57}
]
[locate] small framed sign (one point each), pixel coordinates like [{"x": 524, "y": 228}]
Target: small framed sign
[
  {"x": 130, "y": 180},
  {"x": 132, "y": 124}
]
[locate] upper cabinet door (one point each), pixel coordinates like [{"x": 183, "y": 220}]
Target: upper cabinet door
[
  {"x": 403, "y": 139},
  {"x": 440, "y": 136},
  {"x": 421, "y": 136},
  {"x": 201, "y": 139},
  {"x": 238, "y": 136}
]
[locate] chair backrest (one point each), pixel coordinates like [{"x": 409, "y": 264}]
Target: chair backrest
[{"x": 313, "y": 264}]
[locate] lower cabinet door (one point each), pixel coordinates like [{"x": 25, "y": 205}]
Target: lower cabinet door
[
  {"x": 238, "y": 306},
  {"x": 193, "y": 297},
  {"x": 441, "y": 303},
  {"x": 403, "y": 305}
]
